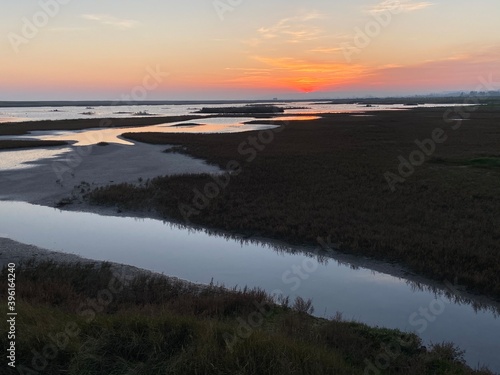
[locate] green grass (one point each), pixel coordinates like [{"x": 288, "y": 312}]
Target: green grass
[
  {"x": 158, "y": 326},
  {"x": 485, "y": 162},
  {"x": 480, "y": 162}
]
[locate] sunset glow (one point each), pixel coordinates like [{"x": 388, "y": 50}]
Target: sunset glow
[{"x": 102, "y": 50}]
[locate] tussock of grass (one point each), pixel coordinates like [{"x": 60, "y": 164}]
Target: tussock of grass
[{"x": 159, "y": 326}]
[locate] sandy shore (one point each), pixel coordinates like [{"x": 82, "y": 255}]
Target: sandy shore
[
  {"x": 53, "y": 179},
  {"x": 50, "y": 180}
]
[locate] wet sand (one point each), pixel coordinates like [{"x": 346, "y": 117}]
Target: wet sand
[{"x": 51, "y": 180}]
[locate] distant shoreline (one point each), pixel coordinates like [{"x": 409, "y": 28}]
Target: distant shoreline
[{"x": 404, "y": 100}]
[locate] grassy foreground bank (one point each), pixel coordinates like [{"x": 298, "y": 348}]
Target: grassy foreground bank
[
  {"x": 86, "y": 319},
  {"x": 327, "y": 178}
]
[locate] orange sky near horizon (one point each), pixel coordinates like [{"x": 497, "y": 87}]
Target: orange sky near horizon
[{"x": 96, "y": 50}]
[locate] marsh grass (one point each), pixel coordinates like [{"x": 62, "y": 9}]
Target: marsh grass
[
  {"x": 326, "y": 178},
  {"x": 158, "y": 325},
  {"x": 17, "y": 144},
  {"x": 486, "y": 162}
]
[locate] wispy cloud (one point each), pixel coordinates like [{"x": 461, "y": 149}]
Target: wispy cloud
[
  {"x": 308, "y": 75},
  {"x": 66, "y": 29},
  {"x": 400, "y": 6},
  {"x": 104, "y": 19},
  {"x": 251, "y": 71},
  {"x": 295, "y": 73},
  {"x": 293, "y": 29},
  {"x": 303, "y": 66},
  {"x": 326, "y": 50},
  {"x": 298, "y": 52}
]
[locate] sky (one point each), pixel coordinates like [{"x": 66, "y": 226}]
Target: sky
[{"x": 245, "y": 49}]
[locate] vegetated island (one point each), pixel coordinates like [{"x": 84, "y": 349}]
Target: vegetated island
[
  {"x": 186, "y": 125},
  {"x": 248, "y": 109},
  {"x": 23, "y": 128},
  {"x": 8, "y": 144},
  {"x": 92, "y": 317},
  {"x": 328, "y": 178}
]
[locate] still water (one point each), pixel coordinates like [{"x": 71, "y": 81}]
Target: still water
[
  {"x": 359, "y": 293},
  {"x": 15, "y": 114}
]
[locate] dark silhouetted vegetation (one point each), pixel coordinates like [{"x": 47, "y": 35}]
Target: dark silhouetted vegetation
[
  {"x": 481, "y": 162},
  {"x": 16, "y": 144},
  {"x": 248, "y": 109},
  {"x": 88, "y": 324},
  {"x": 22, "y": 128}
]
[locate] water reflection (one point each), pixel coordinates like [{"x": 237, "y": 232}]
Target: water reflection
[
  {"x": 74, "y": 112},
  {"x": 323, "y": 256},
  {"x": 113, "y": 135},
  {"x": 199, "y": 126},
  {"x": 336, "y": 282}
]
